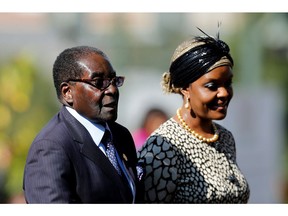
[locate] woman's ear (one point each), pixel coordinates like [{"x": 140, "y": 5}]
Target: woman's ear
[
  {"x": 185, "y": 92},
  {"x": 66, "y": 93},
  {"x": 186, "y": 98}
]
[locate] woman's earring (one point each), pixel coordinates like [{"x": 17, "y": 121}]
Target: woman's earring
[{"x": 187, "y": 104}]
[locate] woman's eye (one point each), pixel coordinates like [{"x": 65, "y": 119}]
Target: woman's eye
[{"x": 211, "y": 86}]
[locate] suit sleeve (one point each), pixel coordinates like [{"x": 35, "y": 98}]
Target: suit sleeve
[{"x": 47, "y": 173}]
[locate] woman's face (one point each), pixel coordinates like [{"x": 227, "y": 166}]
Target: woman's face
[{"x": 211, "y": 93}]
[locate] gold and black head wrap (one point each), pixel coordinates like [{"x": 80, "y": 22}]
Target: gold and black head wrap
[{"x": 192, "y": 59}]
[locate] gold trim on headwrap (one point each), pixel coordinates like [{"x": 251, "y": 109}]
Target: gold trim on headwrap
[
  {"x": 224, "y": 61},
  {"x": 185, "y": 47}
]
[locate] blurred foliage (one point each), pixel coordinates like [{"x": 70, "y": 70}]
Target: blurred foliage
[
  {"x": 24, "y": 109},
  {"x": 26, "y": 103}
]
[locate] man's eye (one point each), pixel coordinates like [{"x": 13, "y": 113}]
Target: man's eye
[{"x": 98, "y": 83}]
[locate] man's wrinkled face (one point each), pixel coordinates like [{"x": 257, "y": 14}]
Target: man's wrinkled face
[{"x": 89, "y": 101}]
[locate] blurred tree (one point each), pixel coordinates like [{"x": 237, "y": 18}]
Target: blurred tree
[{"x": 25, "y": 106}]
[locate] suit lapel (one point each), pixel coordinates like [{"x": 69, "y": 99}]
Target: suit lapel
[
  {"x": 122, "y": 150},
  {"x": 89, "y": 149}
]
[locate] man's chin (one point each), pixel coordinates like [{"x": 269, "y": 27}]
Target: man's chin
[{"x": 111, "y": 117}]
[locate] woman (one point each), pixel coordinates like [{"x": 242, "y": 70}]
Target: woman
[{"x": 190, "y": 158}]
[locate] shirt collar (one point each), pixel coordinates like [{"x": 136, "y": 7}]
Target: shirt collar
[{"x": 95, "y": 130}]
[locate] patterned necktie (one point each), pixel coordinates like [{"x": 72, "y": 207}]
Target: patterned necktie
[{"x": 110, "y": 150}]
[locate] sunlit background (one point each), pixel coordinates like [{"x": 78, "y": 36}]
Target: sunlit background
[{"x": 140, "y": 46}]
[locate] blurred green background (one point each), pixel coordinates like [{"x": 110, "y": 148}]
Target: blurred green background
[{"x": 140, "y": 46}]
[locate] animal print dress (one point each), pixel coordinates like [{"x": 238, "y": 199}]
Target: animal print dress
[{"x": 183, "y": 169}]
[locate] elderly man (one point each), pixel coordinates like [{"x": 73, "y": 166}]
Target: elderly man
[{"x": 82, "y": 155}]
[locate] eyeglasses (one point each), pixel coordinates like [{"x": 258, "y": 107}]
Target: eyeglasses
[{"x": 102, "y": 83}]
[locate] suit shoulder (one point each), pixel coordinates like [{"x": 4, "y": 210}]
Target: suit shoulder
[
  {"x": 118, "y": 127},
  {"x": 54, "y": 129}
]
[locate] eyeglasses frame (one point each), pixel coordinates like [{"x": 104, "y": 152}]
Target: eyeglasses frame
[{"x": 88, "y": 81}]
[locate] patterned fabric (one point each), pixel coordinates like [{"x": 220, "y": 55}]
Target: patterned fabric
[
  {"x": 110, "y": 150},
  {"x": 182, "y": 169}
]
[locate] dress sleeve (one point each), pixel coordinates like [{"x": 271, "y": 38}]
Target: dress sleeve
[{"x": 159, "y": 161}]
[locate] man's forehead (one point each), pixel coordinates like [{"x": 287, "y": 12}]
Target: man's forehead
[
  {"x": 83, "y": 65},
  {"x": 95, "y": 73}
]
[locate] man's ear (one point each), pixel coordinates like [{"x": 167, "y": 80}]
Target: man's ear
[{"x": 66, "y": 93}]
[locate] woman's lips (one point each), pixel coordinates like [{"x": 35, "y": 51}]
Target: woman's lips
[{"x": 220, "y": 107}]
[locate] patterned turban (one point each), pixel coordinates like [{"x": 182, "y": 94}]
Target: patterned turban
[{"x": 192, "y": 59}]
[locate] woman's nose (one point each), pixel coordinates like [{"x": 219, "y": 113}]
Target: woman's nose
[{"x": 224, "y": 92}]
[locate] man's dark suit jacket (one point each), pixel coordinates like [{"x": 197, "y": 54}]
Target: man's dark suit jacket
[{"x": 64, "y": 165}]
